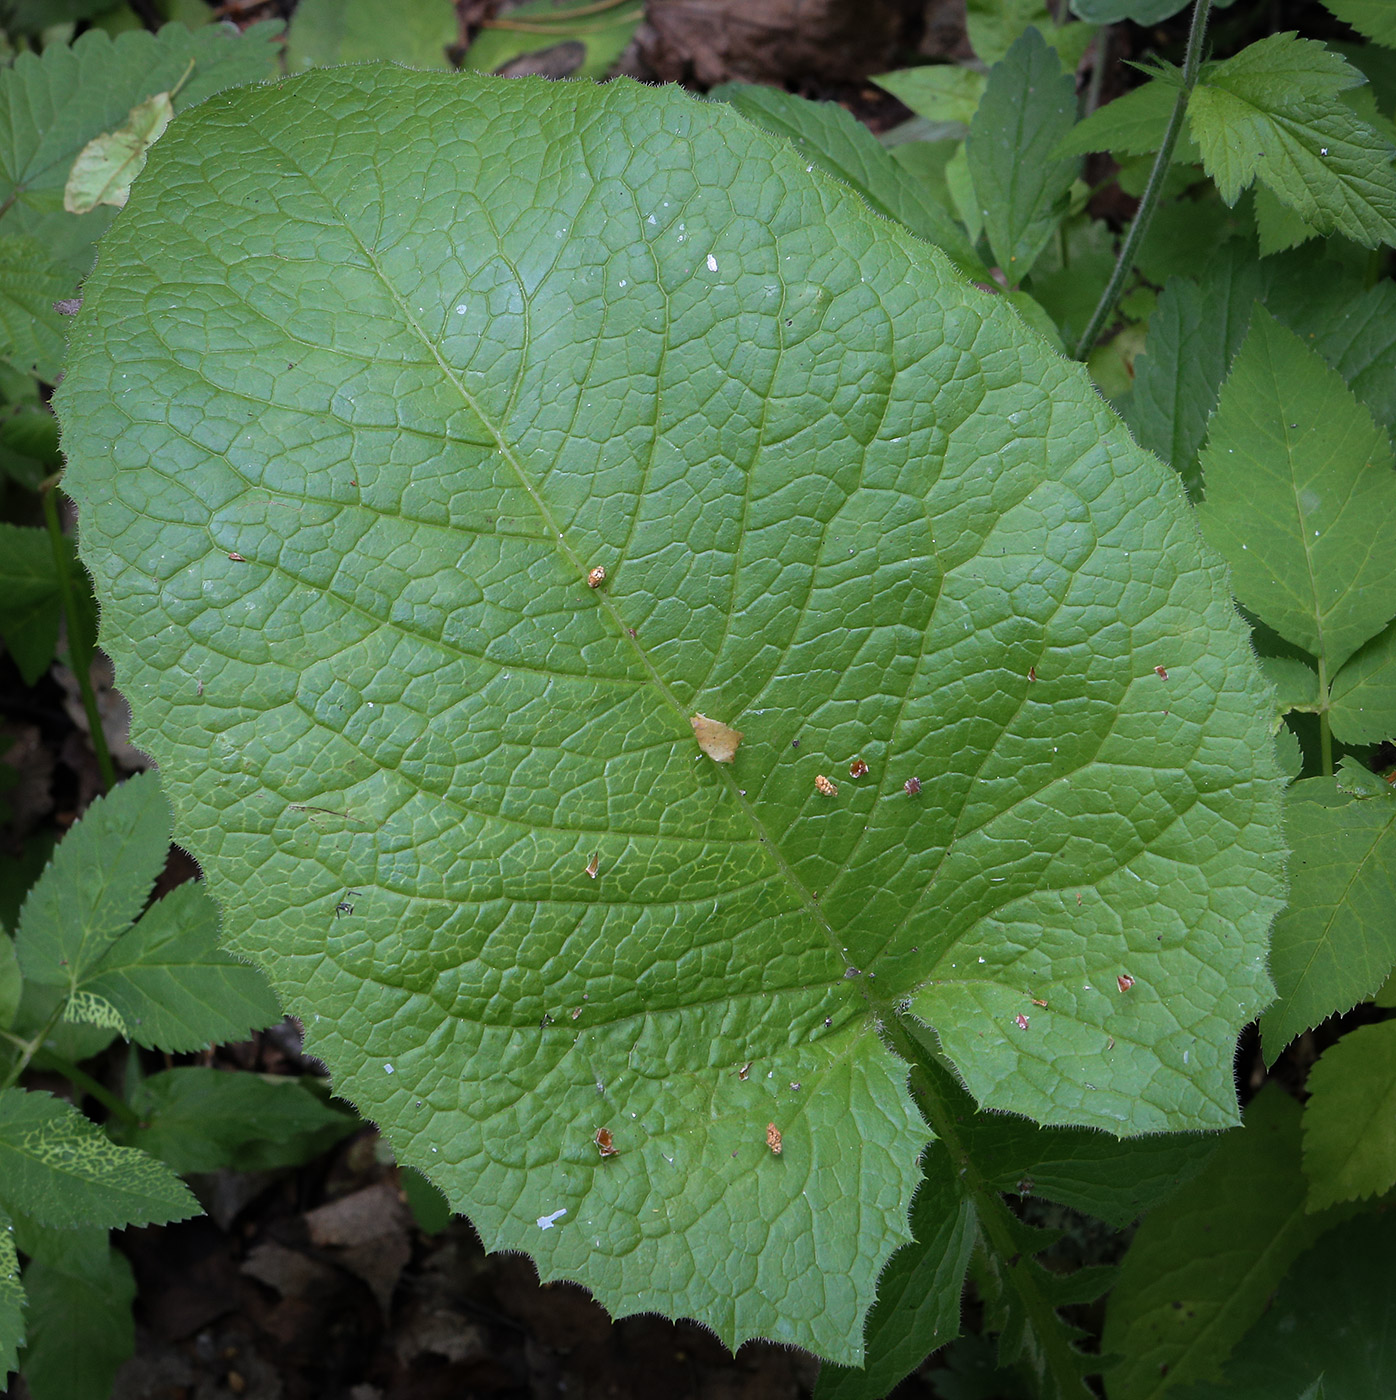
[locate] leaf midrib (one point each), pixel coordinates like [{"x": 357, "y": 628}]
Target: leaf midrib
[{"x": 603, "y": 599}]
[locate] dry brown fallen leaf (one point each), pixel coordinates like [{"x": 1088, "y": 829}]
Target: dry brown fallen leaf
[{"x": 715, "y": 738}]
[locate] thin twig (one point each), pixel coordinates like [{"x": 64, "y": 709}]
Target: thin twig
[{"x": 1153, "y": 191}]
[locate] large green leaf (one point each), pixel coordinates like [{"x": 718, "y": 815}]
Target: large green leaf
[
  {"x": 1202, "y": 1266},
  {"x": 1336, "y": 941},
  {"x": 1329, "y": 1327},
  {"x": 1350, "y": 1119},
  {"x": 1301, "y": 497},
  {"x": 347, "y": 450},
  {"x": 1029, "y": 104}
]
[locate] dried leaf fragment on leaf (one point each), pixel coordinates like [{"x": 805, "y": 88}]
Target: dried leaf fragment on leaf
[
  {"x": 716, "y": 739},
  {"x": 105, "y": 167}
]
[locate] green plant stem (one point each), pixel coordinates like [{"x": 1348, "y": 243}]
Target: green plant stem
[
  {"x": 90, "y": 1086},
  {"x": 995, "y": 1222},
  {"x": 1153, "y": 191},
  {"x": 29, "y": 1048},
  {"x": 78, "y": 651}
]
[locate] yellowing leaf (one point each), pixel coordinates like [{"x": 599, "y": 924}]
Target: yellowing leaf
[
  {"x": 715, "y": 738},
  {"x": 105, "y": 167}
]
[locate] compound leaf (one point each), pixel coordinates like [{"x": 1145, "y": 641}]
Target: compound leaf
[
  {"x": 79, "y": 1317},
  {"x": 1140, "y": 11},
  {"x": 1335, "y": 943},
  {"x": 1350, "y": 1118},
  {"x": 1374, "y": 18},
  {"x": 1130, "y": 125},
  {"x": 1358, "y": 338},
  {"x": 59, "y": 1169},
  {"x": 1028, "y": 106},
  {"x": 1328, "y": 1329},
  {"x": 1273, "y": 112},
  {"x": 994, "y": 26},
  {"x": 52, "y": 104},
  {"x": 1194, "y": 335},
  {"x": 172, "y": 986},
  {"x": 199, "y": 1119},
  {"x": 30, "y": 604},
  {"x": 11, "y": 1301},
  {"x": 32, "y": 333},
  {"x": 97, "y": 883},
  {"x": 940, "y": 92},
  {"x": 1301, "y": 496},
  {"x": 414, "y": 32},
  {"x": 449, "y": 796},
  {"x": 1088, "y": 1171},
  {"x": 1363, "y": 696},
  {"x": 1202, "y": 1266},
  {"x": 558, "y": 44}
]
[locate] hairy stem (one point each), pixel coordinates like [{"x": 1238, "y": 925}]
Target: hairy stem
[
  {"x": 1153, "y": 191},
  {"x": 79, "y": 647},
  {"x": 995, "y": 1221}
]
